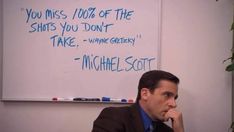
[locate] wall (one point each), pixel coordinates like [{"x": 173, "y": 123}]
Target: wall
[
  {"x": 195, "y": 41},
  {"x": 197, "y": 34}
]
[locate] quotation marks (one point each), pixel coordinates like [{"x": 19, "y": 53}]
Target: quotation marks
[{"x": 138, "y": 36}]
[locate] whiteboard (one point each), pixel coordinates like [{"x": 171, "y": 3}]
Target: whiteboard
[{"x": 78, "y": 48}]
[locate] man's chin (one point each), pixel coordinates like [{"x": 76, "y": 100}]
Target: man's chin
[{"x": 164, "y": 118}]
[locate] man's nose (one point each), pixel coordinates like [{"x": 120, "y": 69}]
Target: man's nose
[{"x": 172, "y": 103}]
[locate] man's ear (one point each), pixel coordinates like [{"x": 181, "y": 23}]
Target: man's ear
[{"x": 145, "y": 93}]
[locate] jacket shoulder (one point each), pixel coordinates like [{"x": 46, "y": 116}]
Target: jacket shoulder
[
  {"x": 111, "y": 119},
  {"x": 162, "y": 127},
  {"x": 115, "y": 111}
]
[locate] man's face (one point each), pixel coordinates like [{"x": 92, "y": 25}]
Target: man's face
[{"x": 162, "y": 99}]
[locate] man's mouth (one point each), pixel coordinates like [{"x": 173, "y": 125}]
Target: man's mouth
[{"x": 164, "y": 112}]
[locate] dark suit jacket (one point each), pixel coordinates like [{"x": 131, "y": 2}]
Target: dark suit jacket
[{"x": 123, "y": 119}]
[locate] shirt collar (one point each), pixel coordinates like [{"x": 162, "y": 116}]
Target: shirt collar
[{"x": 146, "y": 119}]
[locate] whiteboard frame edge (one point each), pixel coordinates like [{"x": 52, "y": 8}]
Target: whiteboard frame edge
[
  {"x": 1, "y": 49},
  {"x": 159, "y": 34},
  {"x": 63, "y": 101}
]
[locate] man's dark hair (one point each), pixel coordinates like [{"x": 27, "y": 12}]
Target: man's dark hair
[{"x": 151, "y": 80}]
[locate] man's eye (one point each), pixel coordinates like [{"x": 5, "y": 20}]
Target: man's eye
[{"x": 167, "y": 95}]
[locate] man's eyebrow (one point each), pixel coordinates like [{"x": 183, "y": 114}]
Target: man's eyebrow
[{"x": 172, "y": 94}]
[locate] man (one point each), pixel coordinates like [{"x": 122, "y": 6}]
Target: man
[{"x": 157, "y": 92}]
